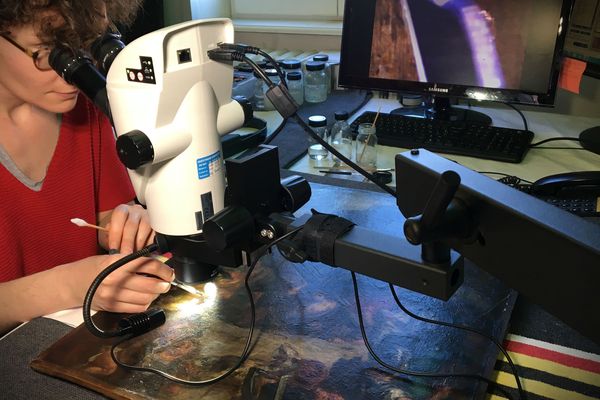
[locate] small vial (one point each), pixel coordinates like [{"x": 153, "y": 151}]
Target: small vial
[
  {"x": 315, "y": 82},
  {"x": 317, "y": 151},
  {"x": 296, "y": 86},
  {"x": 325, "y": 58},
  {"x": 341, "y": 137}
]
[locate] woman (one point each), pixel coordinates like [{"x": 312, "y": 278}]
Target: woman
[{"x": 57, "y": 162}]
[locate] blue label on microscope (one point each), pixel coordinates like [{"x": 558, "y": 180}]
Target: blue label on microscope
[{"x": 209, "y": 165}]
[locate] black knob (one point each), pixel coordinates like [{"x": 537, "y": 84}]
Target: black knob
[
  {"x": 135, "y": 149},
  {"x": 246, "y": 107},
  {"x": 295, "y": 192},
  {"x": 230, "y": 226}
]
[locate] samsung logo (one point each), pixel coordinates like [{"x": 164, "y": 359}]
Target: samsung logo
[{"x": 437, "y": 89}]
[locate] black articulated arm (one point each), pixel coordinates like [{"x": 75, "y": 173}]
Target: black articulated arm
[
  {"x": 384, "y": 257},
  {"x": 547, "y": 254}
]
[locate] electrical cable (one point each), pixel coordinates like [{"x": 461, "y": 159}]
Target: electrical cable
[
  {"x": 339, "y": 155},
  {"x": 406, "y": 371},
  {"x": 510, "y": 178},
  {"x": 260, "y": 253},
  {"x": 275, "y": 65},
  {"x": 259, "y": 71},
  {"x": 279, "y": 129},
  {"x": 229, "y": 52},
  {"x": 574, "y": 139},
  {"x": 87, "y": 301},
  {"x": 276, "y": 132},
  {"x": 391, "y": 191},
  {"x": 525, "y": 127},
  {"x": 560, "y": 148},
  {"x": 465, "y": 328},
  {"x": 244, "y": 48}
]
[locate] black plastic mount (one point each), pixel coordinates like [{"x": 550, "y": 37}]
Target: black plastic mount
[
  {"x": 379, "y": 256},
  {"x": 231, "y": 236},
  {"x": 547, "y": 254}
]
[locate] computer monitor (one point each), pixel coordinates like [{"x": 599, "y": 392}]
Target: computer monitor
[{"x": 506, "y": 51}]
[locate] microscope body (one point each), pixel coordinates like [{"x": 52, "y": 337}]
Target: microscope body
[{"x": 170, "y": 104}]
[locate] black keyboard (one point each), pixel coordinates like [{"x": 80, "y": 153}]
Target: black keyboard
[
  {"x": 451, "y": 137},
  {"x": 582, "y": 205}
]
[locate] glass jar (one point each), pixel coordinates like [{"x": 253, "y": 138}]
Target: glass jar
[
  {"x": 366, "y": 146},
  {"x": 325, "y": 58},
  {"x": 341, "y": 137},
  {"x": 316, "y": 151},
  {"x": 315, "y": 82},
  {"x": 291, "y": 65},
  {"x": 296, "y": 86}
]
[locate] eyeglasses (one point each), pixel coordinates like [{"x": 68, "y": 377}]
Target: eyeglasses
[{"x": 40, "y": 56}]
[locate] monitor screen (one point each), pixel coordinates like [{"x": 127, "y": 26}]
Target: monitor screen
[{"x": 506, "y": 50}]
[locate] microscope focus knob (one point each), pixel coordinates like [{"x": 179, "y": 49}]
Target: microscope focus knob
[{"x": 135, "y": 149}]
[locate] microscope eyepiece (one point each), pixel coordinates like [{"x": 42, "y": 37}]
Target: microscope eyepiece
[
  {"x": 105, "y": 49},
  {"x": 77, "y": 69}
]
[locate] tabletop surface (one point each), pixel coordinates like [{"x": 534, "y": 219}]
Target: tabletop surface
[
  {"x": 307, "y": 339},
  {"x": 537, "y": 163}
]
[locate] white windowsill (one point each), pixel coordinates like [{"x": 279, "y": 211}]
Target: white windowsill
[{"x": 333, "y": 28}]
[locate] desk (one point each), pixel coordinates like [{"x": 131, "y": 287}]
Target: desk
[
  {"x": 537, "y": 162},
  {"x": 308, "y": 326}
]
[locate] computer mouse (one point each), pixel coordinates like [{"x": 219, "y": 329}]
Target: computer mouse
[{"x": 590, "y": 139}]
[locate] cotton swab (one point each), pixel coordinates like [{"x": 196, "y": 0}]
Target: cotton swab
[
  {"x": 188, "y": 288},
  {"x": 80, "y": 222}
]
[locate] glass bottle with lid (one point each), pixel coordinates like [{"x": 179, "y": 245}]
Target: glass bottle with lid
[
  {"x": 316, "y": 151},
  {"x": 341, "y": 137},
  {"x": 295, "y": 86},
  {"x": 291, "y": 65},
  {"x": 325, "y": 58},
  {"x": 315, "y": 82}
]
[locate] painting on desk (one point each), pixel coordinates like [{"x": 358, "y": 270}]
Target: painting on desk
[{"x": 307, "y": 342}]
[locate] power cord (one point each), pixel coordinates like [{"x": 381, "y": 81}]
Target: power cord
[
  {"x": 260, "y": 253},
  {"x": 245, "y": 49},
  {"x": 287, "y": 107},
  {"x": 506, "y": 178},
  {"x": 407, "y": 371},
  {"x": 506, "y": 103},
  {"x": 136, "y": 325},
  {"x": 574, "y": 139},
  {"x": 537, "y": 144},
  {"x": 285, "y": 104},
  {"x": 465, "y": 328}
]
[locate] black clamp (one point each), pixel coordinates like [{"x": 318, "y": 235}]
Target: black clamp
[{"x": 317, "y": 237}]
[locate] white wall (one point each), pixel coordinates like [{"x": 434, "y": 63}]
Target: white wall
[
  {"x": 184, "y": 10},
  {"x": 209, "y": 8}
]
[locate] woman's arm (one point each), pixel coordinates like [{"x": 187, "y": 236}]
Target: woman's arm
[{"x": 125, "y": 290}]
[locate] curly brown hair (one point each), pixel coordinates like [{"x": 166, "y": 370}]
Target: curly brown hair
[{"x": 74, "y": 23}]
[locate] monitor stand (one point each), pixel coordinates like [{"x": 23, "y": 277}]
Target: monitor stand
[{"x": 439, "y": 108}]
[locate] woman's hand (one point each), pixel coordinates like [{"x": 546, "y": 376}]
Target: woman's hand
[
  {"x": 132, "y": 287},
  {"x": 129, "y": 229}
]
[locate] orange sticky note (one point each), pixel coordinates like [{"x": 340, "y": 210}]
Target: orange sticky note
[{"x": 571, "y": 73}]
